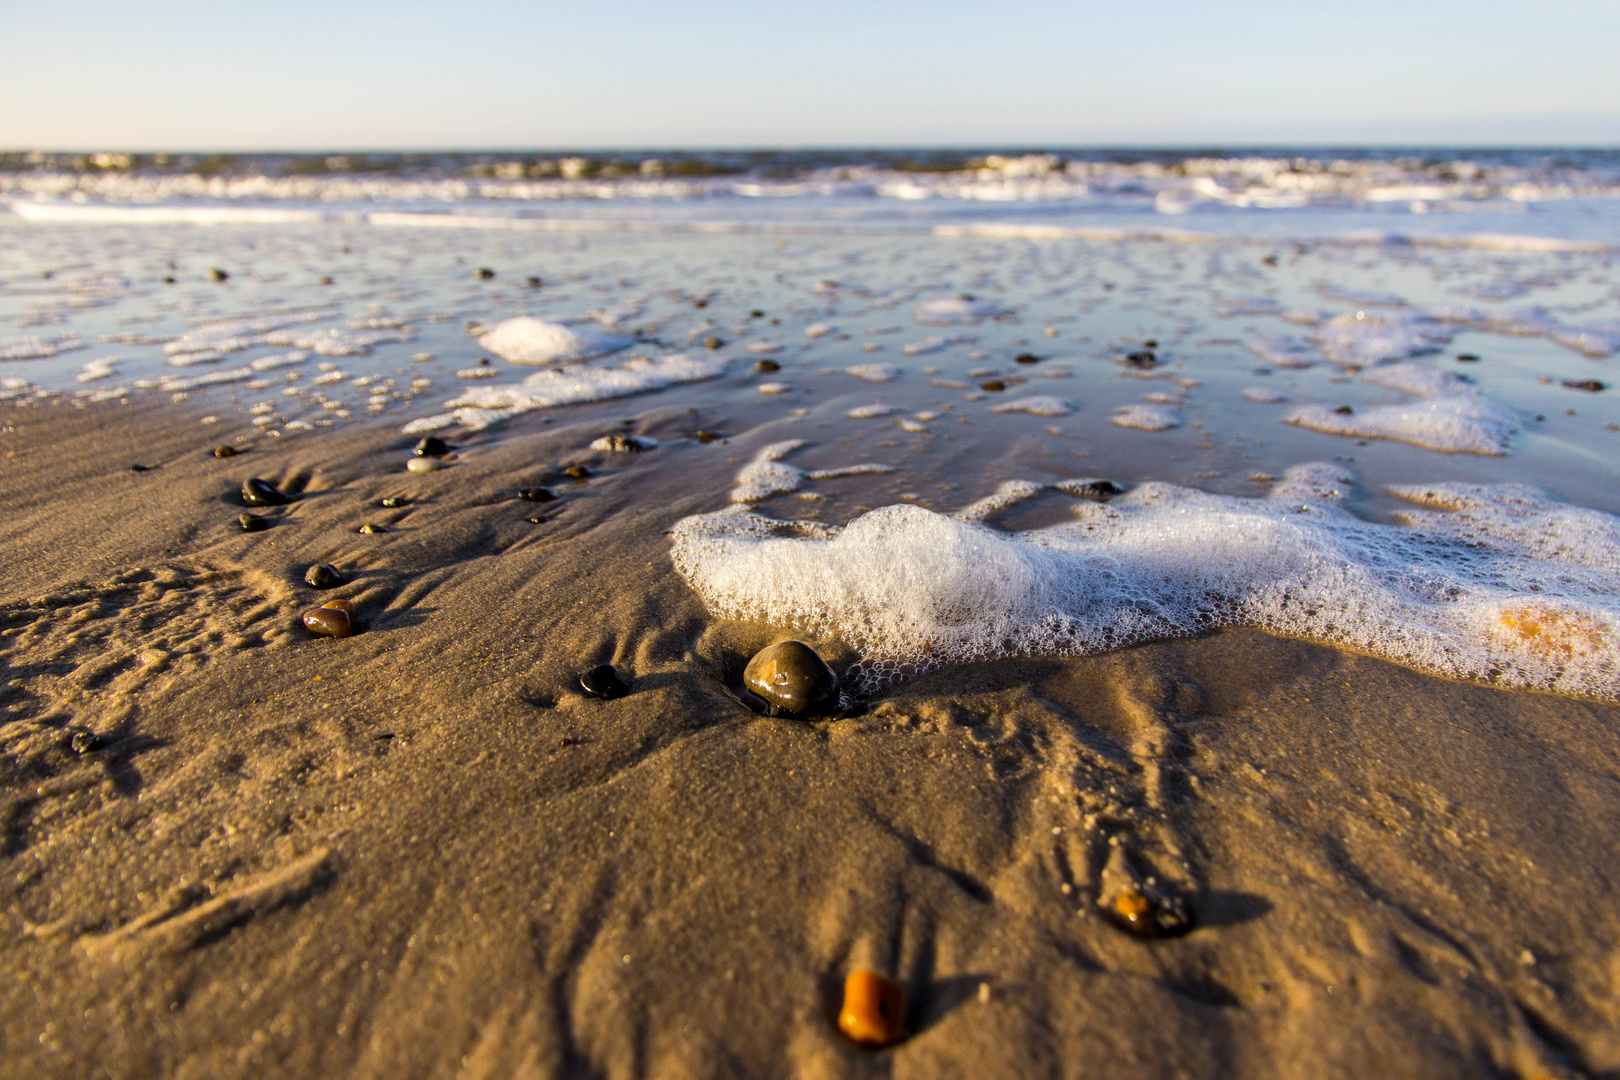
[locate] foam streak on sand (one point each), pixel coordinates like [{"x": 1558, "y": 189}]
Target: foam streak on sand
[
  {"x": 1510, "y": 587},
  {"x": 482, "y": 406}
]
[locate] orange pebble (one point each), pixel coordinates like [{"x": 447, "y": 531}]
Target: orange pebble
[
  {"x": 345, "y": 606},
  {"x": 874, "y": 1011}
]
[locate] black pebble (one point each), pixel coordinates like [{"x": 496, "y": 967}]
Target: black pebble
[
  {"x": 432, "y": 446},
  {"x": 226, "y": 451},
  {"x": 532, "y": 281},
  {"x": 712, "y": 343},
  {"x": 603, "y": 682},
  {"x": 537, "y": 520},
  {"x": 767, "y": 365},
  {"x": 139, "y": 468},
  {"x": 578, "y": 472},
  {"x": 1026, "y": 358},
  {"x": 85, "y": 742},
  {"x": 756, "y": 313},
  {"x": 256, "y": 492},
  {"x": 216, "y": 274},
  {"x": 372, "y": 529},
  {"x": 1591, "y": 386},
  {"x": 1101, "y": 489},
  {"x": 394, "y": 502},
  {"x": 536, "y": 494},
  {"x": 1144, "y": 359},
  {"x": 1344, "y": 410},
  {"x": 483, "y": 273},
  {"x": 1467, "y": 358},
  {"x": 252, "y": 522},
  {"x": 168, "y": 279},
  {"x": 323, "y": 576}
]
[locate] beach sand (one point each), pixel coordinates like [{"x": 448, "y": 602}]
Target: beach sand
[{"x": 420, "y": 851}]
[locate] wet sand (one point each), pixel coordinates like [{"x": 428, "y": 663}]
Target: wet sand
[{"x": 420, "y": 852}]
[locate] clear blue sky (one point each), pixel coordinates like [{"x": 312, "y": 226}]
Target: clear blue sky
[{"x": 296, "y": 74}]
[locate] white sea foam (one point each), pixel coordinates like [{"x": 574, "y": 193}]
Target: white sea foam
[
  {"x": 1281, "y": 351},
  {"x": 1510, "y": 587},
  {"x": 104, "y": 368},
  {"x": 33, "y": 347},
  {"x": 874, "y": 372},
  {"x": 1361, "y": 338},
  {"x": 1261, "y": 396},
  {"x": 527, "y": 340},
  {"x": 478, "y": 407},
  {"x": 1145, "y": 417},
  {"x": 954, "y": 311},
  {"x": 1451, "y": 416},
  {"x": 870, "y": 412},
  {"x": 767, "y": 475},
  {"x": 1038, "y": 405},
  {"x": 934, "y": 343}
]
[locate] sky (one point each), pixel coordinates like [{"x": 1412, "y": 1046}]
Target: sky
[{"x": 493, "y": 74}]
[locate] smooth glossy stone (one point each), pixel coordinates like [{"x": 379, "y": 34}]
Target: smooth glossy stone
[
  {"x": 603, "y": 682},
  {"x": 424, "y": 464},
  {"x": 994, "y": 386},
  {"x": 767, "y": 365},
  {"x": 705, "y": 437},
  {"x": 537, "y": 519},
  {"x": 578, "y": 472},
  {"x": 874, "y": 1009},
  {"x": 1138, "y": 913},
  {"x": 1026, "y": 358},
  {"x": 256, "y": 492},
  {"x": 328, "y": 622},
  {"x": 225, "y": 451},
  {"x": 1344, "y": 410},
  {"x": 432, "y": 446},
  {"x": 712, "y": 343},
  {"x": 536, "y": 494},
  {"x": 372, "y": 529},
  {"x": 252, "y": 522},
  {"x": 323, "y": 576},
  {"x": 394, "y": 502},
  {"x": 345, "y": 606},
  {"x": 792, "y": 677}
]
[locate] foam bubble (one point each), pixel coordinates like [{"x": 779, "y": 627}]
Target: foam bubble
[
  {"x": 1145, "y": 417},
  {"x": 527, "y": 340},
  {"x": 1261, "y": 396},
  {"x": 1362, "y": 338},
  {"x": 874, "y": 372},
  {"x": 870, "y": 412},
  {"x": 1280, "y": 351},
  {"x": 1509, "y": 587},
  {"x": 1453, "y": 416},
  {"x": 1038, "y": 405},
  {"x": 478, "y": 407},
  {"x": 954, "y": 311},
  {"x": 104, "y": 368},
  {"x": 933, "y": 343},
  {"x": 33, "y": 347}
]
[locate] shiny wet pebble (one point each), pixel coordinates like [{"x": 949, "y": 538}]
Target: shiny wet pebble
[
  {"x": 712, "y": 343},
  {"x": 1138, "y": 913},
  {"x": 1026, "y": 358},
  {"x": 256, "y": 492},
  {"x": 225, "y": 451},
  {"x": 791, "y": 677},
  {"x": 577, "y": 472},
  {"x": 874, "y": 1009},
  {"x": 603, "y": 682},
  {"x": 536, "y": 494},
  {"x": 323, "y": 576},
  {"x": 252, "y": 522},
  {"x": 394, "y": 502},
  {"x": 372, "y": 529},
  {"x": 328, "y": 622},
  {"x": 424, "y": 464},
  {"x": 432, "y": 446},
  {"x": 767, "y": 365}
]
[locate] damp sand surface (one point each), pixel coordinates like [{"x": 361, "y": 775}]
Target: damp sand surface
[{"x": 419, "y": 851}]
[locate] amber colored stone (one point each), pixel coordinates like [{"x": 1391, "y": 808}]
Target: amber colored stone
[
  {"x": 1137, "y": 913},
  {"x": 345, "y": 606},
  {"x": 793, "y": 678},
  {"x": 874, "y": 1011},
  {"x": 328, "y": 621}
]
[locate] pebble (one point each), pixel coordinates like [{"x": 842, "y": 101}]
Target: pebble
[
  {"x": 1135, "y": 912},
  {"x": 791, "y": 677},
  {"x": 712, "y": 343},
  {"x": 603, "y": 682},
  {"x": 622, "y": 444},
  {"x": 767, "y": 365},
  {"x": 706, "y": 437},
  {"x": 1467, "y": 358},
  {"x": 225, "y": 451},
  {"x": 256, "y": 492},
  {"x": 994, "y": 386},
  {"x": 323, "y": 576},
  {"x": 85, "y": 742},
  {"x": 483, "y": 273},
  {"x": 874, "y": 1009},
  {"x": 1344, "y": 410},
  {"x": 328, "y": 621},
  {"x": 1591, "y": 386},
  {"x": 1100, "y": 489},
  {"x": 394, "y": 502},
  {"x": 432, "y": 446},
  {"x": 1026, "y": 358},
  {"x": 536, "y": 494},
  {"x": 139, "y": 468},
  {"x": 532, "y": 281},
  {"x": 216, "y": 274},
  {"x": 345, "y": 606},
  {"x": 424, "y": 464},
  {"x": 537, "y": 520},
  {"x": 578, "y": 472},
  {"x": 1143, "y": 359},
  {"x": 372, "y": 529},
  {"x": 252, "y": 522}
]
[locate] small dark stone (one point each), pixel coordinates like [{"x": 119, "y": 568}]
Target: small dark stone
[
  {"x": 1150, "y": 344},
  {"x": 432, "y": 446},
  {"x": 700, "y": 303},
  {"x": 1467, "y": 358},
  {"x": 1591, "y": 386},
  {"x": 536, "y": 494},
  {"x": 1138, "y": 913},
  {"x": 532, "y": 281},
  {"x": 1100, "y": 489},
  {"x": 169, "y": 279},
  {"x": 603, "y": 682},
  {"x": 756, "y": 314},
  {"x": 483, "y": 361},
  {"x": 226, "y": 451},
  {"x": 371, "y": 529},
  {"x": 85, "y": 742},
  {"x": 1270, "y": 260},
  {"x": 537, "y": 520},
  {"x": 326, "y": 279},
  {"x": 256, "y": 492},
  {"x": 993, "y": 386},
  {"x": 139, "y": 468},
  {"x": 792, "y": 678},
  {"x": 216, "y": 274},
  {"x": 394, "y": 502},
  {"x": 712, "y": 343},
  {"x": 328, "y": 622},
  {"x": 1344, "y": 410},
  {"x": 705, "y": 437},
  {"x": 323, "y": 576},
  {"x": 1026, "y": 358},
  {"x": 578, "y": 472},
  {"x": 483, "y": 273},
  {"x": 1143, "y": 359},
  {"x": 253, "y": 522},
  {"x": 767, "y": 365},
  {"x": 565, "y": 741}
]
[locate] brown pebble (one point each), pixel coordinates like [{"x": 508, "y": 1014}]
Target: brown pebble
[
  {"x": 767, "y": 365},
  {"x": 1591, "y": 386},
  {"x": 327, "y": 621},
  {"x": 994, "y": 386},
  {"x": 1138, "y": 913},
  {"x": 345, "y": 606},
  {"x": 578, "y": 472},
  {"x": 874, "y": 1009},
  {"x": 792, "y": 678},
  {"x": 371, "y": 529},
  {"x": 252, "y": 522},
  {"x": 226, "y": 451},
  {"x": 705, "y": 437},
  {"x": 1344, "y": 410},
  {"x": 217, "y": 274},
  {"x": 712, "y": 343}
]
